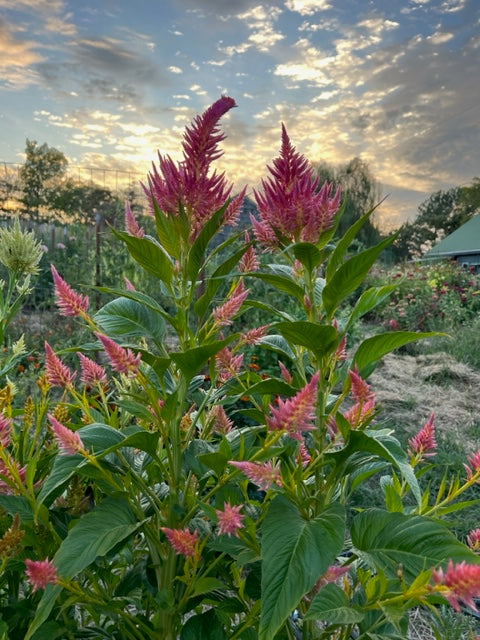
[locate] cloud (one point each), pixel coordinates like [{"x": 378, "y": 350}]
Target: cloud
[
  {"x": 17, "y": 59},
  {"x": 308, "y": 7},
  {"x": 259, "y": 20}
]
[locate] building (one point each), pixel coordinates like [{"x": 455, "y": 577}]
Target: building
[{"x": 463, "y": 245}]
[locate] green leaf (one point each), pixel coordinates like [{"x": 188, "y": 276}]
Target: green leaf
[
  {"x": 63, "y": 468},
  {"x": 205, "y": 585},
  {"x": 308, "y": 255},
  {"x": 197, "y": 251},
  {"x": 417, "y": 543},
  {"x": 331, "y": 605},
  {"x": 282, "y": 283},
  {"x": 373, "y": 349},
  {"x": 205, "y": 626},
  {"x": 17, "y": 504},
  {"x": 167, "y": 229},
  {"x": 126, "y": 317},
  {"x": 368, "y": 301},
  {"x": 149, "y": 255},
  {"x": 96, "y": 533},
  {"x": 295, "y": 553},
  {"x": 320, "y": 339},
  {"x": 278, "y": 344},
  {"x": 191, "y": 362},
  {"x": 350, "y": 275}
]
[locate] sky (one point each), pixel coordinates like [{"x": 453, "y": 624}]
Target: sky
[{"x": 110, "y": 82}]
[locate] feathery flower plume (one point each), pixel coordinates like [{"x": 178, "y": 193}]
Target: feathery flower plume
[
  {"x": 5, "y": 429},
  {"x": 360, "y": 413},
  {"x": 131, "y": 224},
  {"x": 68, "y": 301},
  {"x": 128, "y": 284},
  {"x": 361, "y": 391},
  {"x": 8, "y": 479},
  {"x": 462, "y": 581},
  {"x": 473, "y": 540},
  {"x": 230, "y": 520},
  {"x": 262, "y": 474},
  {"x": 122, "y": 360},
  {"x": 286, "y": 375},
  {"x": 69, "y": 442},
  {"x": 249, "y": 261},
  {"x": 332, "y": 574},
  {"x": 474, "y": 460},
  {"x": 221, "y": 422},
  {"x": 224, "y": 314},
  {"x": 228, "y": 364},
  {"x": 291, "y": 202},
  {"x": 189, "y": 182},
  {"x": 303, "y": 455},
  {"x": 232, "y": 212},
  {"x": 92, "y": 373},
  {"x": 41, "y": 573},
  {"x": 423, "y": 444},
  {"x": 11, "y": 539},
  {"x": 182, "y": 540},
  {"x": 253, "y": 336},
  {"x": 57, "y": 372},
  {"x": 296, "y": 414}
]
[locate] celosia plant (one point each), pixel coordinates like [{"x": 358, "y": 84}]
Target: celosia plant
[{"x": 175, "y": 491}]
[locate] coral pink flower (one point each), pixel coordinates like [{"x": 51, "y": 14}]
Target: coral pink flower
[
  {"x": 232, "y": 212},
  {"x": 286, "y": 375},
  {"x": 473, "y": 540},
  {"x": 224, "y": 314},
  {"x": 341, "y": 352},
  {"x": 69, "y": 442},
  {"x": 423, "y": 443},
  {"x": 92, "y": 373},
  {"x": 128, "y": 284},
  {"x": 182, "y": 541},
  {"x": 304, "y": 456},
  {"x": 361, "y": 391},
  {"x": 57, "y": 373},
  {"x": 253, "y": 336},
  {"x": 249, "y": 262},
  {"x": 41, "y": 573},
  {"x": 264, "y": 475},
  {"x": 5, "y": 430},
  {"x": 474, "y": 460},
  {"x": 360, "y": 413},
  {"x": 8, "y": 479},
  {"x": 189, "y": 182},
  {"x": 122, "y": 360},
  {"x": 228, "y": 364},
  {"x": 221, "y": 422},
  {"x": 131, "y": 224},
  {"x": 462, "y": 581},
  {"x": 332, "y": 574},
  {"x": 295, "y": 415},
  {"x": 230, "y": 520},
  {"x": 291, "y": 202},
  {"x": 68, "y": 301}
]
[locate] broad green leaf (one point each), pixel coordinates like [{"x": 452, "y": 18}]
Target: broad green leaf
[
  {"x": 295, "y": 553},
  {"x": 191, "y": 362},
  {"x": 96, "y": 533},
  {"x": 204, "y": 626},
  {"x": 142, "y": 298},
  {"x": 368, "y": 301},
  {"x": 308, "y": 254},
  {"x": 149, "y": 255},
  {"x": 271, "y": 311},
  {"x": 167, "y": 231},
  {"x": 63, "y": 468},
  {"x": 373, "y": 349},
  {"x": 340, "y": 250},
  {"x": 320, "y": 339},
  {"x": 331, "y": 605},
  {"x": 283, "y": 283},
  {"x": 197, "y": 251},
  {"x": 350, "y": 275},
  {"x": 417, "y": 543},
  {"x": 205, "y": 585},
  {"x": 279, "y": 344},
  {"x": 126, "y": 317}
]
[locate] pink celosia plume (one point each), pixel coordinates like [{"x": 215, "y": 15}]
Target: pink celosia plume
[
  {"x": 296, "y": 415},
  {"x": 225, "y": 314},
  {"x": 361, "y": 391},
  {"x": 69, "y": 442},
  {"x": 122, "y": 360},
  {"x": 262, "y": 474},
  {"x": 56, "y": 371},
  {"x": 423, "y": 444},
  {"x": 230, "y": 520},
  {"x": 249, "y": 262},
  {"x": 291, "y": 202},
  {"x": 11, "y": 476},
  {"x": 462, "y": 582},
  {"x": 68, "y": 301},
  {"x": 41, "y": 573},
  {"x": 5, "y": 429},
  {"x": 131, "y": 224},
  {"x": 473, "y": 540},
  {"x": 92, "y": 373},
  {"x": 220, "y": 421},
  {"x": 183, "y": 541},
  {"x": 228, "y": 364}
]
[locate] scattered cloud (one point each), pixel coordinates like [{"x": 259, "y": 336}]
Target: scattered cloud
[
  {"x": 18, "y": 58},
  {"x": 308, "y": 7}
]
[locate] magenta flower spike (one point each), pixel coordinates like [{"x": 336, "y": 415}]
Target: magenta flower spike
[
  {"x": 295, "y": 415},
  {"x": 423, "y": 443},
  {"x": 5, "y": 429},
  {"x": 41, "y": 573},
  {"x": 473, "y": 540},
  {"x": 57, "y": 372},
  {"x": 361, "y": 391},
  {"x": 131, "y": 224},
  {"x": 69, "y": 442},
  {"x": 291, "y": 202},
  {"x": 221, "y": 422},
  {"x": 182, "y": 540},
  {"x": 189, "y": 182},
  {"x": 249, "y": 262},
  {"x": 263, "y": 475},
  {"x": 224, "y": 314},
  {"x": 92, "y": 373},
  {"x": 462, "y": 581},
  {"x": 122, "y": 360},
  {"x": 230, "y": 520},
  {"x": 68, "y": 301}
]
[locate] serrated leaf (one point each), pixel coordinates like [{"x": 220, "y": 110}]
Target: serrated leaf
[
  {"x": 126, "y": 317},
  {"x": 417, "y": 543},
  {"x": 331, "y": 605},
  {"x": 295, "y": 553}
]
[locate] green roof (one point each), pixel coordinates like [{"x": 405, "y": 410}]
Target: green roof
[{"x": 465, "y": 240}]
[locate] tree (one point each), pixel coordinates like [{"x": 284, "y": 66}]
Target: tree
[
  {"x": 439, "y": 216},
  {"x": 362, "y": 192},
  {"x": 41, "y": 177}
]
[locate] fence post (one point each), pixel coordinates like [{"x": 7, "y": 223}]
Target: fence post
[{"x": 98, "y": 256}]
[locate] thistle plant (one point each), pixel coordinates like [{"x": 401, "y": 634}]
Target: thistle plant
[{"x": 176, "y": 492}]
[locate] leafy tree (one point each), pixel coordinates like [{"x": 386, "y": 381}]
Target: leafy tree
[
  {"x": 82, "y": 202},
  {"x": 41, "y": 176},
  {"x": 362, "y": 192}
]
